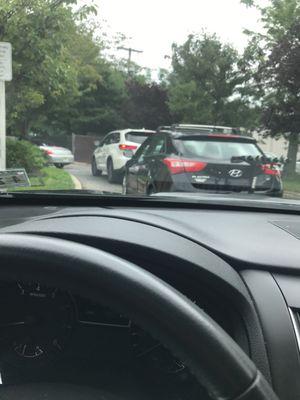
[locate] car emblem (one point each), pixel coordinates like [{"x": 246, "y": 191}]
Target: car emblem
[{"x": 235, "y": 173}]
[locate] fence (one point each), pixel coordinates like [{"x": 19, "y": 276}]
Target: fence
[{"x": 83, "y": 147}]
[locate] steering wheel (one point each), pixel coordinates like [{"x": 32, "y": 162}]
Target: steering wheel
[{"x": 212, "y": 356}]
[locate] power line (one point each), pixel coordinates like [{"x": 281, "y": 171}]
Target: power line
[{"x": 130, "y": 51}]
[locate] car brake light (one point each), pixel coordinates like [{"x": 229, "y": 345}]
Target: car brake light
[
  {"x": 271, "y": 169},
  {"x": 49, "y": 152},
  {"x": 178, "y": 166},
  {"x": 127, "y": 147}
]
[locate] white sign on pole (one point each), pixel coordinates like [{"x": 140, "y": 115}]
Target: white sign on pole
[
  {"x": 2, "y": 127},
  {"x": 5, "y": 62},
  {"x": 5, "y": 75}
]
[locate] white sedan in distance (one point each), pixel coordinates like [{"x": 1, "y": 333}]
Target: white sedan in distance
[{"x": 59, "y": 156}]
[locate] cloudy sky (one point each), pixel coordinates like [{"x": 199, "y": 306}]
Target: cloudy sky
[{"x": 153, "y": 25}]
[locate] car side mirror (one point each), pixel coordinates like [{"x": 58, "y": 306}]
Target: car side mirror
[{"x": 97, "y": 143}]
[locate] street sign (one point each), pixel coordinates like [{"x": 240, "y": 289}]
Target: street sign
[
  {"x": 5, "y": 62},
  {"x": 5, "y": 75},
  {"x": 11, "y": 178}
]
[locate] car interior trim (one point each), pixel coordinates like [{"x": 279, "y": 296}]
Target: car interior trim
[{"x": 295, "y": 326}]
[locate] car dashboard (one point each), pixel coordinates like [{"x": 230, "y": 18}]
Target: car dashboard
[
  {"x": 241, "y": 267},
  {"x": 46, "y": 332}
]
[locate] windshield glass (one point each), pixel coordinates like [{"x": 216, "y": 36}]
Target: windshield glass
[
  {"x": 137, "y": 137},
  {"x": 203, "y": 105}
]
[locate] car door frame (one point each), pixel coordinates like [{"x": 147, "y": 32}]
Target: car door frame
[
  {"x": 133, "y": 166},
  {"x": 98, "y": 153},
  {"x": 112, "y": 149},
  {"x": 101, "y": 162},
  {"x": 147, "y": 172}
]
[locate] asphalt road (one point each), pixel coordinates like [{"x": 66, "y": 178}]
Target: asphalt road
[{"x": 89, "y": 182}]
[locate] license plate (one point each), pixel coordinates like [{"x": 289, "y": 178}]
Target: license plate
[{"x": 200, "y": 178}]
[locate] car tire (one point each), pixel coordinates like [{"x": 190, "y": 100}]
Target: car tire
[
  {"x": 112, "y": 175},
  {"x": 95, "y": 170},
  {"x": 59, "y": 165}
]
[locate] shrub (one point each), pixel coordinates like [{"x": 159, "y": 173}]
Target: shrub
[{"x": 23, "y": 154}]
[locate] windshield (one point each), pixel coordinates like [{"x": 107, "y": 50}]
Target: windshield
[{"x": 97, "y": 101}]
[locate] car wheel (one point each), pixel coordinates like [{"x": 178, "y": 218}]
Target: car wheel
[
  {"x": 95, "y": 170},
  {"x": 59, "y": 165},
  {"x": 111, "y": 173}
]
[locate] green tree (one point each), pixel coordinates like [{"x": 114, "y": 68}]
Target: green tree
[
  {"x": 99, "y": 108},
  {"x": 204, "y": 84},
  {"x": 45, "y": 73},
  {"x": 101, "y": 88},
  {"x": 147, "y": 104},
  {"x": 271, "y": 64}
]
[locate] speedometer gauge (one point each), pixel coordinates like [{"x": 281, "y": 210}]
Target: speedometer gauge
[{"x": 35, "y": 325}]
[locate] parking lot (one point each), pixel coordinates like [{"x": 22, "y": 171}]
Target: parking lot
[{"x": 82, "y": 172}]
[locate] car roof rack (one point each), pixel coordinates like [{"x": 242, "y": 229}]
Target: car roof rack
[
  {"x": 190, "y": 128},
  {"x": 164, "y": 128}
]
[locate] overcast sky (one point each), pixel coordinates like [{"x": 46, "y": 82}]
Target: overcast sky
[{"x": 153, "y": 25}]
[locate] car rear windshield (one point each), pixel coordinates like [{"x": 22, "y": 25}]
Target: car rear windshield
[
  {"x": 217, "y": 150},
  {"x": 137, "y": 137}
]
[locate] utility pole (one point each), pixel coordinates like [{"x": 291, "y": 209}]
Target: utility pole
[
  {"x": 2, "y": 127},
  {"x": 5, "y": 75},
  {"x": 130, "y": 51}
]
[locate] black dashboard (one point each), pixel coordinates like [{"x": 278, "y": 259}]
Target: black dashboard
[{"x": 241, "y": 267}]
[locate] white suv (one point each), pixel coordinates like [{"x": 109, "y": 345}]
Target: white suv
[{"x": 115, "y": 149}]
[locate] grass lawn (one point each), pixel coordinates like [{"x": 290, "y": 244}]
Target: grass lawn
[
  {"x": 51, "y": 178},
  {"x": 292, "y": 184}
]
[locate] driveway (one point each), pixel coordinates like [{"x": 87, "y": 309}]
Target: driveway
[{"x": 83, "y": 173}]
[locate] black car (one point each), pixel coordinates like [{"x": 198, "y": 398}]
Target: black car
[{"x": 173, "y": 161}]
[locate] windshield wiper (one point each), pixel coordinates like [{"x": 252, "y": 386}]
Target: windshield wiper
[{"x": 70, "y": 192}]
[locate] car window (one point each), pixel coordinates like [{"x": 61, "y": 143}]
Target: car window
[
  {"x": 158, "y": 146},
  {"x": 137, "y": 137},
  {"x": 143, "y": 150},
  {"x": 115, "y": 138},
  {"x": 217, "y": 150},
  {"x": 107, "y": 139},
  {"x": 145, "y": 153},
  {"x": 112, "y": 138}
]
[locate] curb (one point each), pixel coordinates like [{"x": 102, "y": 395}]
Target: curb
[
  {"x": 291, "y": 195},
  {"x": 76, "y": 181}
]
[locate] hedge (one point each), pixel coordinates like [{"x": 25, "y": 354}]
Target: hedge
[{"x": 23, "y": 154}]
